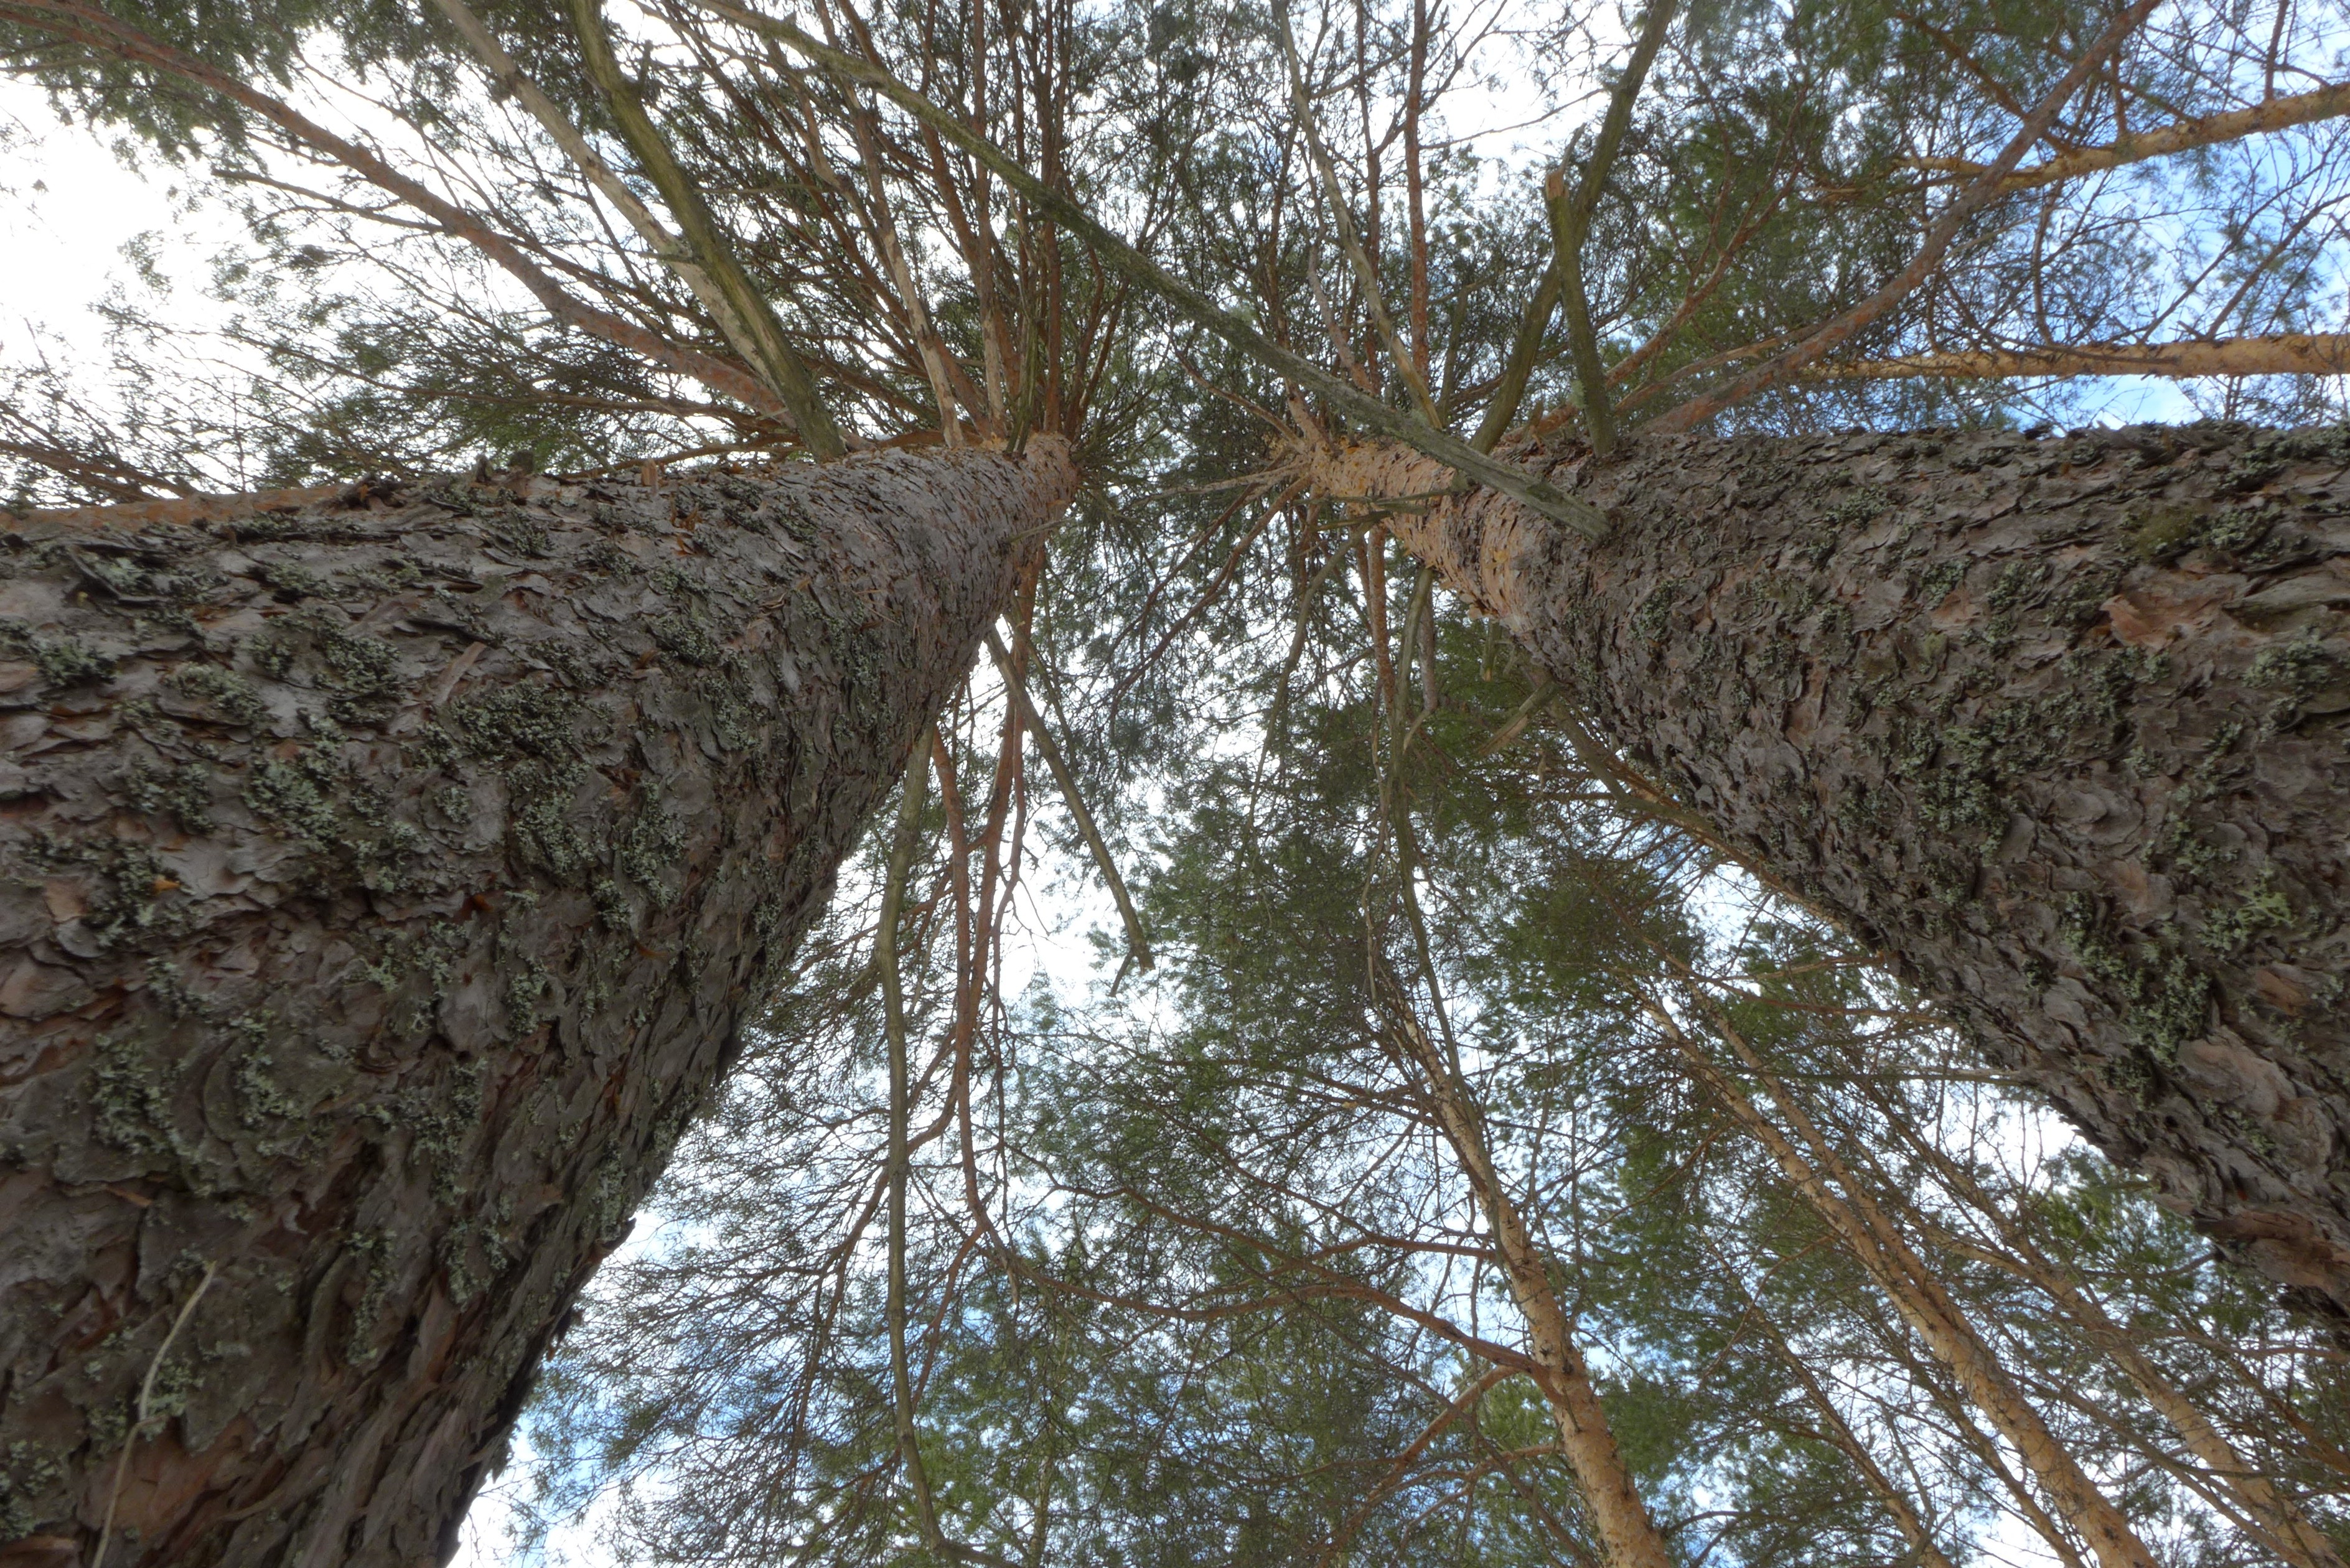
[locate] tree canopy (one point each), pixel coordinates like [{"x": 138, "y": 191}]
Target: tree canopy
[{"x": 1419, "y": 1015}]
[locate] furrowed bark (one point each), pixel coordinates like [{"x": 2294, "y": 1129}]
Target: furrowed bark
[
  {"x": 390, "y": 880},
  {"x": 2058, "y": 724}
]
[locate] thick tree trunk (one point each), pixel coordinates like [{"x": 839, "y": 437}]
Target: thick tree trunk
[
  {"x": 389, "y": 882},
  {"x": 2058, "y": 724}
]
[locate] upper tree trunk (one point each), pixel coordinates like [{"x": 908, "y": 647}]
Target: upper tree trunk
[
  {"x": 389, "y": 880},
  {"x": 2059, "y": 723}
]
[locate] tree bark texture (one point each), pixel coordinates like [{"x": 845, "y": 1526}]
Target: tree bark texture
[
  {"x": 388, "y": 878},
  {"x": 2057, "y": 723}
]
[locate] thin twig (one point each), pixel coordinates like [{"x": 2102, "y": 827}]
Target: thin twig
[
  {"x": 1137, "y": 942},
  {"x": 146, "y": 1412}
]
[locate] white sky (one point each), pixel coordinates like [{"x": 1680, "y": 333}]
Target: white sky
[{"x": 67, "y": 207}]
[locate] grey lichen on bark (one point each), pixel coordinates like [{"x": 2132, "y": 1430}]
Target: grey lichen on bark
[
  {"x": 2059, "y": 724},
  {"x": 388, "y": 878}
]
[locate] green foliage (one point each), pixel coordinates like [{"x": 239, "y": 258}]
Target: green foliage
[{"x": 1201, "y": 1271}]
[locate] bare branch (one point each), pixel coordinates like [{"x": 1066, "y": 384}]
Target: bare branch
[
  {"x": 2181, "y": 136},
  {"x": 672, "y": 250},
  {"x": 1136, "y": 942},
  {"x": 1824, "y": 338},
  {"x": 2279, "y": 354}
]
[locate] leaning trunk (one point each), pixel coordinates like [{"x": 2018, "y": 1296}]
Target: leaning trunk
[
  {"x": 2058, "y": 724},
  {"x": 1920, "y": 1299},
  {"x": 1627, "y": 1536},
  {"x": 390, "y": 880}
]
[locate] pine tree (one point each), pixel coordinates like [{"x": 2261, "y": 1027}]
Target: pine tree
[{"x": 727, "y": 235}]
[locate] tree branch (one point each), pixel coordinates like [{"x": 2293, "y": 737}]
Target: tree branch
[
  {"x": 674, "y": 252},
  {"x": 1136, "y": 942},
  {"x": 2181, "y": 136},
  {"x": 1187, "y": 302},
  {"x": 96, "y": 30},
  {"x": 1367, "y": 275},
  {"x": 779, "y": 365},
  {"x": 1570, "y": 225},
  {"x": 2281, "y": 354},
  {"x": 1824, "y": 338}
]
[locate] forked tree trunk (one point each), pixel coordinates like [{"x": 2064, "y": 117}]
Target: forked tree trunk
[
  {"x": 390, "y": 879},
  {"x": 2058, "y": 724}
]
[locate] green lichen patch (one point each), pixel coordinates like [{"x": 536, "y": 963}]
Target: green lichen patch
[
  {"x": 519, "y": 532},
  {"x": 2018, "y": 585},
  {"x": 341, "y": 818},
  {"x": 373, "y": 1251},
  {"x": 472, "y": 1258},
  {"x": 230, "y": 694},
  {"x": 2163, "y": 532},
  {"x": 1858, "y": 507},
  {"x": 361, "y": 673},
  {"x": 2266, "y": 907},
  {"x": 291, "y": 581},
  {"x": 262, "y": 1101},
  {"x": 1934, "y": 584},
  {"x": 2167, "y": 998},
  {"x": 652, "y": 850},
  {"x": 28, "y": 1475},
  {"x": 62, "y": 662},
  {"x": 2299, "y": 667},
  {"x": 538, "y": 819},
  {"x": 129, "y": 892},
  {"x": 685, "y": 635},
  {"x": 414, "y": 966},
  {"x": 131, "y": 1090},
  {"x": 517, "y": 720},
  {"x": 1654, "y": 619},
  {"x": 293, "y": 527},
  {"x": 441, "y": 1120},
  {"x": 182, "y": 790},
  {"x": 2267, "y": 455},
  {"x": 525, "y": 996},
  {"x": 612, "y": 904}
]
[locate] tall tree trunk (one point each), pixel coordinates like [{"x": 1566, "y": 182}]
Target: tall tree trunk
[
  {"x": 2058, "y": 724},
  {"x": 1627, "y": 1536},
  {"x": 1917, "y": 1295},
  {"x": 390, "y": 880}
]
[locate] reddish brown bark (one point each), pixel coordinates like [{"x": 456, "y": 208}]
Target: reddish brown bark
[
  {"x": 2058, "y": 724},
  {"x": 390, "y": 878}
]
